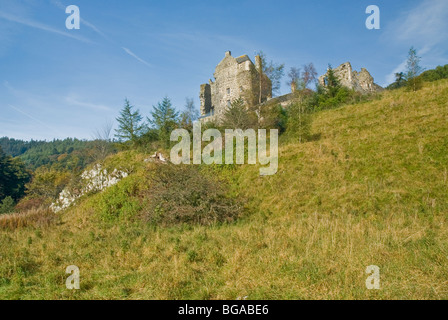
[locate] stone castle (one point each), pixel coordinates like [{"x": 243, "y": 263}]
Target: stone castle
[
  {"x": 359, "y": 81},
  {"x": 234, "y": 78},
  {"x": 240, "y": 78}
]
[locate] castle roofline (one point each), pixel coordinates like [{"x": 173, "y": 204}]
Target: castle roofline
[{"x": 242, "y": 58}]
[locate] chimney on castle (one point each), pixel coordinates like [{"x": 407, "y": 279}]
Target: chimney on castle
[
  {"x": 258, "y": 64},
  {"x": 228, "y": 53}
]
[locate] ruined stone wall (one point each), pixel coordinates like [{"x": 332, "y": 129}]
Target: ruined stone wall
[
  {"x": 205, "y": 97},
  {"x": 359, "y": 81}
]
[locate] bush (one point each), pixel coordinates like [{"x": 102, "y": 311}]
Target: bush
[
  {"x": 7, "y": 205},
  {"x": 184, "y": 194},
  {"x": 327, "y": 101},
  {"x": 238, "y": 116},
  {"x": 47, "y": 183},
  {"x": 414, "y": 84},
  {"x": 441, "y": 72},
  {"x": 27, "y": 204},
  {"x": 274, "y": 117},
  {"x": 119, "y": 201}
]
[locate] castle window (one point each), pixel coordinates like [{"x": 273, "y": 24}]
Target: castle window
[
  {"x": 228, "y": 90},
  {"x": 229, "y": 103}
]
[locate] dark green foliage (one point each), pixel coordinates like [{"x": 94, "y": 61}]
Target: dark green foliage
[
  {"x": 332, "y": 95},
  {"x": 151, "y": 136},
  {"x": 184, "y": 194},
  {"x": 441, "y": 72},
  {"x": 400, "y": 81},
  {"x": 238, "y": 116},
  {"x": 7, "y": 205},
  {"x": 332, "y": 85},
  {"x": 130, "y": 127},
  {"x": 70, "y": 154},
  {"x": 274, "y": 117},
  {"x": 164, "y": 119},
  {"x": 13, "y": 177},
  {"x": 335, "y": 99}
]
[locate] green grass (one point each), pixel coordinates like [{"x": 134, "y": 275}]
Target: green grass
[{"x": 372, "y": 190}]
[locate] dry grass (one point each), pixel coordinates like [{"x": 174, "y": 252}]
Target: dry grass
[{"x": 38, "y": 217}]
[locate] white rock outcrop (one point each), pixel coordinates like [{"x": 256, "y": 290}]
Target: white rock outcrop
[{"x": 93, "y": 180}]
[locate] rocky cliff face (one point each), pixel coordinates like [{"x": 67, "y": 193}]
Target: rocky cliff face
[
  {"x": 93, "y": 180},
  {"x": 359, "y": 81}
]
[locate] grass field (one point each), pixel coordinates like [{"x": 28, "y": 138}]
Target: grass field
[{"x": 370, "y": 189}]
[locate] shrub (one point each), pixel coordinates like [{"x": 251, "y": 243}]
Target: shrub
[
  {"x": 7, "y": 205},
  {"x": 119, "y": 201},
  {"x": 47, "y": 183},
  {"x": 184, "y": 194},
  {"x": 238, "y": 116},
  {"x": 274, "y": 117},
  {"x": 27, "y": 204}
]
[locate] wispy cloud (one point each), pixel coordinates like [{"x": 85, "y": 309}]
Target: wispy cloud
[
  {"x": 423, "y": 27},
  {"x": 33, "y": 118},
  {"x": 132, "y": 54},
  {"x": 40, "y": 26},
  {"x": 72, "y": 100}
]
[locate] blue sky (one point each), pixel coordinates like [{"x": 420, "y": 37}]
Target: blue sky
[{"x": 57, "y": 83}]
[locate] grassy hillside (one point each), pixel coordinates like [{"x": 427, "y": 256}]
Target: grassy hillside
[{"x": 370, "y": 189}]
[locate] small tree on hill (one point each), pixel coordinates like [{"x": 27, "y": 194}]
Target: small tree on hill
[
  {"x": 309, "y": 75},
  {"x": 299, "y": 121},
  {"x": 130, "y": 126},
  {"x": 7, "y": 205},
  {"x": 413, "y": 70},
  {"x": 294, "y": 79},
  {"x": 238, "y": 116},
  {"x": 164, "y": 119},
  {"x": 189, "y": 115},
  {"x": 273, "y": 71},
  {"x": 102, "y": 145},
  {"x": 332, "y": 82}
]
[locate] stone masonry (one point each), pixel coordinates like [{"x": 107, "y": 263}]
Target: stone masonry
[
  {"x": 359, "y": 81},
  {"x": 234, "y": 78}
]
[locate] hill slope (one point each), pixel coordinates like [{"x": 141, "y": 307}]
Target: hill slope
[{"x": 371, "y": 189}]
